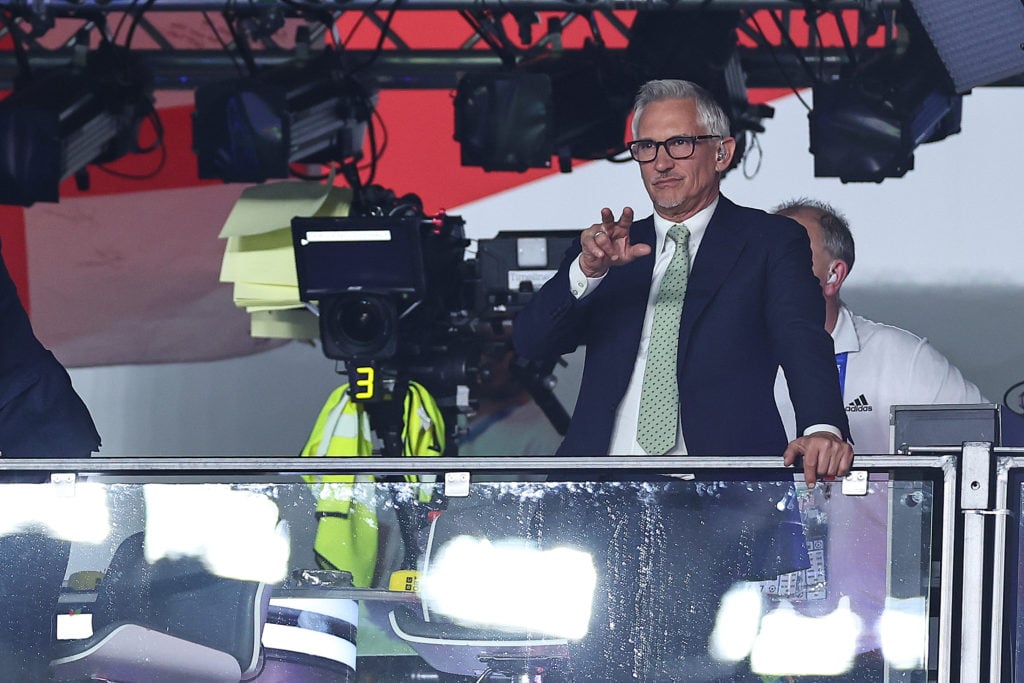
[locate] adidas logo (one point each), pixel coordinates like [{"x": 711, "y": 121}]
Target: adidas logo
[{"x": 859, "y": 405}]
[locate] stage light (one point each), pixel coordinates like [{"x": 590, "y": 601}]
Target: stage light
[
  {"x": 251, "y": 129},
  {"x": 862, "y": 136},
  {"x": 569, "y": 106},
  {"x": 593, "y": 97},
  {"x": 504, "y": 120},
  {"x": 58, "y": 122},
  {"x": 865, "y": 127}
]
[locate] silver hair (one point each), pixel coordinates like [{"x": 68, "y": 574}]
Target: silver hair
[
  {"x": 710, "y": 114},
  {"x": 835, "y": 229}
]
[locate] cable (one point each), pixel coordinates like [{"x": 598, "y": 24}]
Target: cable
[
  {"x": 136, "y": 19},
  {"x": 241, "y": 44},
  {"x": 159, "y": 144},
  {"x": 796, "y": 50},
  {"x": 352, "y": 31},
  {"x": 124, "y": 17},
  {"x": 775, "y": 58},
  {"x": 755, "y": 146},
  {"x": 19, "y": 49},
  {"x": 845, "y": 35},
  {"x": 223, "y": 43},
  {"x": 384, "y": 30}
]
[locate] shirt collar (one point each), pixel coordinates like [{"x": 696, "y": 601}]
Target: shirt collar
[
  {"x": 696, "y": 224},
  {"x": 844, "y": 336}
]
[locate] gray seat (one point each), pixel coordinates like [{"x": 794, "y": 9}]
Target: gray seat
[
  {"x": 476, "y": 651},
  {"x": 168, "y": 621}
]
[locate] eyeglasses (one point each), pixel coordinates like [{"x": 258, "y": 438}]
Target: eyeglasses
[{"x": 677, "y": 147}]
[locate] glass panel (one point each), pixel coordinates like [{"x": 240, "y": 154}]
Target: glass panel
[
  {"x": 1013, "y": 653},
  {"x": 565, "y": 576}
]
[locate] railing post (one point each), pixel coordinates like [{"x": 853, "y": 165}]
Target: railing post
[{"x": 976, "y": 468}]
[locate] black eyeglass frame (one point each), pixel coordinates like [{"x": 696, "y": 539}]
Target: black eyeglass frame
[{"x": 693, "y": 139}]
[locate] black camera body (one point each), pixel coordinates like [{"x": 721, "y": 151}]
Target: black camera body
[
  {"x": 364, "y": 272},
  {"x": 394, "y": 294},
  {"x": 398, "y": 301}
]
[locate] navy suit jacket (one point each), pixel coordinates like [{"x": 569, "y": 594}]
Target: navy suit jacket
[
  {"x": 41, "y": 415},
  {"x": 752, "y": 303}
]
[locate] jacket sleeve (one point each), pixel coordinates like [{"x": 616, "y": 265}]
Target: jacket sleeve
[
  {"x": 553, "y": 321},
  {"x": 796, "y": 315}
]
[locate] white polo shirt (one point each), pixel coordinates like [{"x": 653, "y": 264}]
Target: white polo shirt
[{"x": 884, "y": 366}]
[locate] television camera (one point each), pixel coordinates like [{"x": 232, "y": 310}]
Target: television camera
[{"x": 399, "y": 301}]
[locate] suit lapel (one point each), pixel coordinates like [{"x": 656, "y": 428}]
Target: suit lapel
[
  {"x": 637, "y": 283},
  {"x": 720, "y": 247}
]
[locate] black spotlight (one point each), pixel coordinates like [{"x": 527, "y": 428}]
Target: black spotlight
[
  {"x": 58, "y": 122},
  {"x": 569, "y": 106},
  {"x": 251, "y": 129},
  {"x": 865, "y": 126},
  {"x": 504, "y": 120},
  {"x": 862, "y": 136},
  {"x": 593, "y": 96}
]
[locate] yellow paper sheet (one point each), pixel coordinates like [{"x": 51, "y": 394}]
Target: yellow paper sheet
[
  {"x": 293, "y": 323},
  {"x": 262, "y": 208}
]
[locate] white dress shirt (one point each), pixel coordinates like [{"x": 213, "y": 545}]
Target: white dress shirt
[{"x": 624, "y": 431}]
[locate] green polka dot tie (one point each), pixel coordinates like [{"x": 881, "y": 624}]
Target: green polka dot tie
[{"x": 659, "y": 401}]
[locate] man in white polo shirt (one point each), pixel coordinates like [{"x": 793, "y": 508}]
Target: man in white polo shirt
[{"x": 879, "y": 366}]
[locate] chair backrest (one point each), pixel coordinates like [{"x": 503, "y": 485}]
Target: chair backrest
[{"x": 181, "y": 598}]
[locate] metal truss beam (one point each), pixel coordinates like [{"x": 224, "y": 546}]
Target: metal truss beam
[
  {"x": 410, "y": 70},
  {"x": 79, "y": 7},
  {"x": 47, "y": 31}
]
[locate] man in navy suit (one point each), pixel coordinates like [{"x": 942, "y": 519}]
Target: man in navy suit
[
  {"x": 752, "y": 303},
  {"x": 41, "y": 415}
]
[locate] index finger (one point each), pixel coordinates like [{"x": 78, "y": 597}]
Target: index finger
[
  {"x": 626, "y": 218},
  {"x": 620, "y": 226},
  {"x": 810, "y": 467}
]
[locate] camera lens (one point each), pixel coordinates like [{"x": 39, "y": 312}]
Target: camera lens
[
  {"x": 361, "y": 320},
  {"x": 359, "y": 325}
]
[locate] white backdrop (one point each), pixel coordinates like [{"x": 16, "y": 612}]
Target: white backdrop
[{"x": 938, "y": 252}]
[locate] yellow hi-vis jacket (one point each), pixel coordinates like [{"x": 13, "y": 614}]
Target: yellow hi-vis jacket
[{"x": 346, "y": 534}]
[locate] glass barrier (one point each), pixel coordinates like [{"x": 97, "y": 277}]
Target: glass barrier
[{"x": 556, "y": 571}]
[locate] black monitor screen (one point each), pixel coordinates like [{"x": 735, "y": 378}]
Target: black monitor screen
[{"x": 373, "y": 254}]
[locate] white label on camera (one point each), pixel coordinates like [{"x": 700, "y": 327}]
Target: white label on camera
[
  {"x": 536, "y": 277},
  {"x": 347, "y": 236}
]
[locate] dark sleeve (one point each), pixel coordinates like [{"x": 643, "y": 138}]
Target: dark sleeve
[
  {"x": 796, "y": 315},
  {"x": 41, "y": 415},
  {"x": 552, "y": 323}
]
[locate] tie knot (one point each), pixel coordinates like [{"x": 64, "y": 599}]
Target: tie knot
[{"x": 679, "y": 232}]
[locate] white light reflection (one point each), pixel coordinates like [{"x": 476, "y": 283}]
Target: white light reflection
[
  {"x": 235, "y": 533},
  {"x": 736, "y": 623},
  {"x": 511, "y": 586},
  {"x": 75, "y": 512},
  {"x": 793, "y": 644},
  {"x": 903, "y": 628}
]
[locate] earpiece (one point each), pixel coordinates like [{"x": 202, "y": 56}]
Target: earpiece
[
  {"x": 832, "y": 277},
  {"x": 721, "y": 153}
]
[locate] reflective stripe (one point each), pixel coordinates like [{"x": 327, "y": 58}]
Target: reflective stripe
[
  {"x": 346, "y": 610},
  {"x": 315, "y": 643}
]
